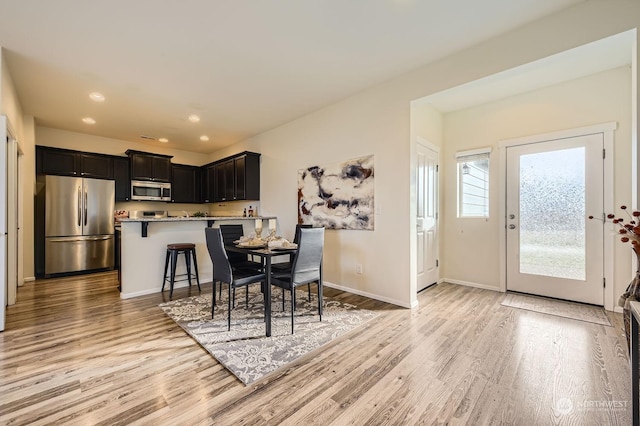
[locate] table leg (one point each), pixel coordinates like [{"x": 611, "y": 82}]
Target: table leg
[
  {"x": 635, "y": 371},
  {"x": 267, "y": 292}
]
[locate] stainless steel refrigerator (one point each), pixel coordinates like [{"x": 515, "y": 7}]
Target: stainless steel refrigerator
[{"x": 78, "y": 224}]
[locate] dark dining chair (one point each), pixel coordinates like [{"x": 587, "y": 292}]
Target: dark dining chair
[
  {"x": 306, "y": 268},
  {"x": 231, "y": 233},
  {"x": 223, "y": 272},
  {"x": 285, "y": 267}
]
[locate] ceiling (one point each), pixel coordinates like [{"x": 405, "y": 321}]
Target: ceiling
[
  {"x": 605, "y": 54},
  {"x": 243, "y": 66}
]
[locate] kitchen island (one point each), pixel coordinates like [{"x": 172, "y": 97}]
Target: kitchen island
[{"x": 144, "y": 244}]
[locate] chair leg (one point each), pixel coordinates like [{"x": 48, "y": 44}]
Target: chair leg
[
  {"x": 174, "y": 260},
  {"x": 293, "y": 290},
  {"x": 320, "y": 307},
  {"x": 166, "y": 265},
  {"x": 309, "y": 290},
  {"x": 195, "y": 266},
  {"x": 187, "y": 261},
  {"x": 293, "y": 296},
  {"x": 229, "y": 307},
  {"x": 213, "y": 294},
  {"x": 234, "y": 296},
  {"x": 246, "y": 296}
]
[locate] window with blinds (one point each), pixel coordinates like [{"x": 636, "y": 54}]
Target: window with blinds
[{"x": 473, "y": 183}]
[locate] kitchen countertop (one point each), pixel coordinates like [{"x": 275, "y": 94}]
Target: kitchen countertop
[{"x": 193, "y": 219}]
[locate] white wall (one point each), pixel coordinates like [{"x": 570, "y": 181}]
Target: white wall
[
  {"x": 22, "y": 128},
  {"x": 472, "y": 245},
  {"x": 376, "y": 121}
]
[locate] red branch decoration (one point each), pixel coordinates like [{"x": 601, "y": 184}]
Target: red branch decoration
[{"x": 629, "y": 231}]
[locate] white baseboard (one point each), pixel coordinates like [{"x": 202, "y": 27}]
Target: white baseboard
[
  {"x": 470, "y": 284},
  {"x": 618, "y": 309},
  {"x": 203, "y": 280},
  {"x": 28, "y": 279},
  {"x": 370, "y": 295}
]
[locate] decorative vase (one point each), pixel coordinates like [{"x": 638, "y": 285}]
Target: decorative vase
[{"x": 631, "y": 294}]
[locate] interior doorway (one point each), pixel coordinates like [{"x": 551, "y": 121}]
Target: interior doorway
[{"x": 427, "y": 214}]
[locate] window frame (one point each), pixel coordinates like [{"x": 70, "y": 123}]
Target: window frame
[{"x": 463, "y": 157}]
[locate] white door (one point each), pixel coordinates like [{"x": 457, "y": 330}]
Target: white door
[
  {"x": 427, "y": 216},
  {"x": 3, "y": 219},
  {"x": 553, "y": 249}
]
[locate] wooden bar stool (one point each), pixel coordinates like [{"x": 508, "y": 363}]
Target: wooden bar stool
[{"x": 173, "y": 250}]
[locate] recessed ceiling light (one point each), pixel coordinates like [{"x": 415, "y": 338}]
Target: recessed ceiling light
[
  {"x": 163, "y": 140},
  {"x": 88, "y": 120},
  {"x": 194, "y": 118},
  {"x": 204, "y": 138},
  {"x": 96, "y": 96}
]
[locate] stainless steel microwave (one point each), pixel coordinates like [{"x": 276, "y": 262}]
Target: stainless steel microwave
[{"x": 150, "y": 191}]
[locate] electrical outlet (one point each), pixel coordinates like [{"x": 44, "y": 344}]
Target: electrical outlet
[{"x": 358, "y": 269}]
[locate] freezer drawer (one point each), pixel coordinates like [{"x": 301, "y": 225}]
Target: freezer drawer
[{"x": 73, "y": 254}]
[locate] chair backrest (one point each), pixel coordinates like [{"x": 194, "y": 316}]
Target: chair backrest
[
  {"x": 307, "y": 262},
  {"x": 231, "y": 233},
  {"x": 215, "y": 245},
  {"x": 296, "y": 237}
]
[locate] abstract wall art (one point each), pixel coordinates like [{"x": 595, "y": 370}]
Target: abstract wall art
[{"x": 337, "y": 196}]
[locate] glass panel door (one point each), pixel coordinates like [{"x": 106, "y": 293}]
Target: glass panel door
[
  {"x": 552, "y": 213},
  {"x": 552, "y": 248}
]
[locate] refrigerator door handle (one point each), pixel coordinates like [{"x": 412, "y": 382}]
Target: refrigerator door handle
[
  {"x": 86, "y": 198},
  {"x": 79, "y": 207},
  {"x": 67, "y": 239}
]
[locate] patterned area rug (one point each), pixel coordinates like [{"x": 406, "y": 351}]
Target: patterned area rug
[
  {"x": 245, "y": 351},
  {"x": 560, "y": 308}
]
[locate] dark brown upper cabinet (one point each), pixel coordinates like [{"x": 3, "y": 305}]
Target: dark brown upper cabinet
[
  {"x": 147, "y": 166},
  {"x": 65, "y": 162},
  {"x": 185, "y": 184},
  {"x": 121, "y": 173},
  {"x": 236, "y": 177},
  {"x": 208, "y": 179}
]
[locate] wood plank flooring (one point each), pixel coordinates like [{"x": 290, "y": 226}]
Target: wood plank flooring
[{"x": 75, "y": 353}]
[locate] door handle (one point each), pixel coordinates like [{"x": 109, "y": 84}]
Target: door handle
[
  {"x": 512, "y": 226},
  {"x": 86, "y": 198},
  {"x": 79, "y": 207},
  {"x": 67, "y": 240}
]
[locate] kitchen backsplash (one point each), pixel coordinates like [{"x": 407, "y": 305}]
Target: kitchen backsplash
[{"x": 231, "y": 208}]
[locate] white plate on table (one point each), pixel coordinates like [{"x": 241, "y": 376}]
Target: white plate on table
[{"x": 249, "y": 245}]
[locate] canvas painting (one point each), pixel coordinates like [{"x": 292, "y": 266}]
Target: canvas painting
[{"x": 337, "y": 196}]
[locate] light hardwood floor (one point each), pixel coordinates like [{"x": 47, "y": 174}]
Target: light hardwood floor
[{"x": 74, "y": 353}]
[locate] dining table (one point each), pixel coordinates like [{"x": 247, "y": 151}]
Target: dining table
[{"x": 266, "y": 254}]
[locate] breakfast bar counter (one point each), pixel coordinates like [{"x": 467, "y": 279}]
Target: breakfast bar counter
[{"x": 143, "y": 249}]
